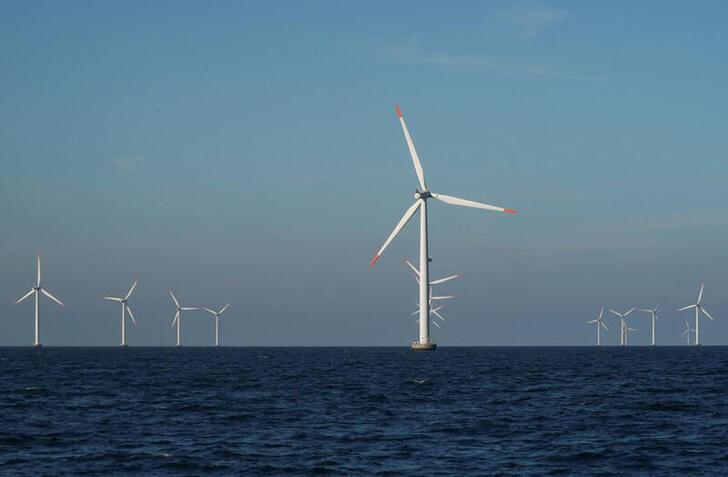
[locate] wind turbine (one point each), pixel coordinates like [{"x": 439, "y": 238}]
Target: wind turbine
[
  {"x": 421, "y": 195},
  {"x": 178, "y": 315},
  {"x": 217, "y": 316},
  {"x": 623, "y": 325},
  {"x": 655, "y": 317},
  {"x": 124, "y": 308},
  {"x": 687, "y": 331},
  {"x": 433, "y": 311},
  {"x": 600, "y": 323},
  {"x": 698, "y": 308},
  {"x": 36, "y": 290}
]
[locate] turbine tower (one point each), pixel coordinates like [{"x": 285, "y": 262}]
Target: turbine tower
[
  {"x": 421, "y": 195},
  {"x": 124, "y": 308},
  {"x": 600, "y": 323},
  {"x": 35, "y": 291},
  {"x": 623, "y": 325},
  {"x": 698, "y": 308},
  {"x": 178, "y": 315},
  {"x": 655, "y": 317},
  {"x": 217, "y": 316}
]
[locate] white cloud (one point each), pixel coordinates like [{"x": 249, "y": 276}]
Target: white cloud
[
  {"x": 530, "y": 20},
  {"x": 127, "y": 164}
]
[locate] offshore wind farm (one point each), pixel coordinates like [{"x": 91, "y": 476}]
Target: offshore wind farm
[{"x": 206, "y": 184}]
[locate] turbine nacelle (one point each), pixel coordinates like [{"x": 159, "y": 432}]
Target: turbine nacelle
[{"x": 424, "y": 195}]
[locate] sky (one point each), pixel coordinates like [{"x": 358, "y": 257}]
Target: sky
[{"x": 251, "y": 152}]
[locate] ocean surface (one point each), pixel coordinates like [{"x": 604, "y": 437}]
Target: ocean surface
[{"x": 353, "y": 411}]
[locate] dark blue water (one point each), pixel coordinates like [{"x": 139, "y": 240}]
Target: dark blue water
[{"x": 456, "y": 411}]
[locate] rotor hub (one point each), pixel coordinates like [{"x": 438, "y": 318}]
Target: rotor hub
[{"x": 423, "y": 195}]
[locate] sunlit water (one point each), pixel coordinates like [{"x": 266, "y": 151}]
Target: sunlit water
[{"x": 350, "y": 411}]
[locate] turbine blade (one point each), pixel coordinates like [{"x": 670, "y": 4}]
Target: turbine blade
[
  {"x": 700, "y": 293},
  {"x": 446, "y": 279},
  {"x": 413, "y": 152},
  {"x": 174, "y": 298},
  {"x": 601, "y": 312},
  {"x": 630, "y": 311},
  {"x": 402, "y": 222},
  {"x": 190, "y": 308},
  {"x": 686, "y": 308},
  {"x": 616, "y": 313},
  {"x": 684, "y": 332},
  {"x": 416, "y": 312},
  {"x": 605, "y": 326},
  {"x": 112, "y": 298},
  {"x": 437, "y": 314},
  {"x": 131, "y": 315},
  {"x": 592, "y": 321},
  {"x": 435, "y": 323},
  {"x": 706, "y": 313},
  {"x": 25, "y": 296},
  {"x": 131, "y": 290},
  {"x": 209, "y": 310},
  {"x": 417, "y": 272},
  {"x": 469, "y": 203},
  {"x": 37, "y": 256},
  {"x": 224, "y": 308},
  {"x": 48, "y": 294},
  {"x": 174, "y": 319},
  {"x": 446, "y": 297}
]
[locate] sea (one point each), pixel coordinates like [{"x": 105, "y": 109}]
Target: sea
[{"x": 364, "y": 411}]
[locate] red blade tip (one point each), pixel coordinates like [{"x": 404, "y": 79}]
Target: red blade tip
[
  {"x": 374, "y": 260},
  {"x": 510, "y": 211},
  {"x": 399, "y": 113}
]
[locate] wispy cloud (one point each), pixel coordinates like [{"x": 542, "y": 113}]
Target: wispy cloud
[
  {"x": 494, "y": 65},
  {"x": 643, "y": 235},
  {"x": 127, "y": 164},
  {"x": 532, "y": 19},
  {"x": 412, "y": 55}
]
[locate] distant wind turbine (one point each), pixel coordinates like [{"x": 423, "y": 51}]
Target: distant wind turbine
[
  {"x": 421, "y": 196},
  {"x": 623, "y": 325},
  {"x": 124, "y": 308},
  {"x": 433, "y": 311},
  {"x": 655, "y": 316},
  {"x": 35, "y": 291},
  {"x": 217, "y": 316},
  {"x": 178, "y": 315},
  {"x": 600, "y": 324},
  {"x": 686, "y": 333},
  {"x": 698, "y": 308}
]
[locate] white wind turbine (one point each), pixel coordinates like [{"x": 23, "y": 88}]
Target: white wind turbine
[
  {"x": 623, "y": 325},
  {"x": 35, "y": 291},
  {"x": 433, "y": 311},
  {"x": 686, "y": 333},
  {"x": 217, "y": 316},
  {"x": 698, "y": 308},
  {"x": 178, "y": 315},
  {"x": 124, "y": 308},
  {"x": 600, "y": 324},
  {"x": 421, "y": 195},
  {"x": 655, "y": 316}
]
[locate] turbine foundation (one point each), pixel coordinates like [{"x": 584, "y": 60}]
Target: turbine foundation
[{"x": 430, "y": 346}]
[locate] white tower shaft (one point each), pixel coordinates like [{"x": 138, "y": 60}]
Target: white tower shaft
[
  {"x": 179, "y": 320},
  {"x": 653, "y": 329},
  {"x": 123, "y": 324},
  {"x": 424, "y": 277},
  {"x": 37, "y": 322},
  {"x": 697, "y": 325},
  {"x": 217, "y": 330}
]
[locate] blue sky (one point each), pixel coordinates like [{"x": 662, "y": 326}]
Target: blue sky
[{"x": 250, "y": 151}]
